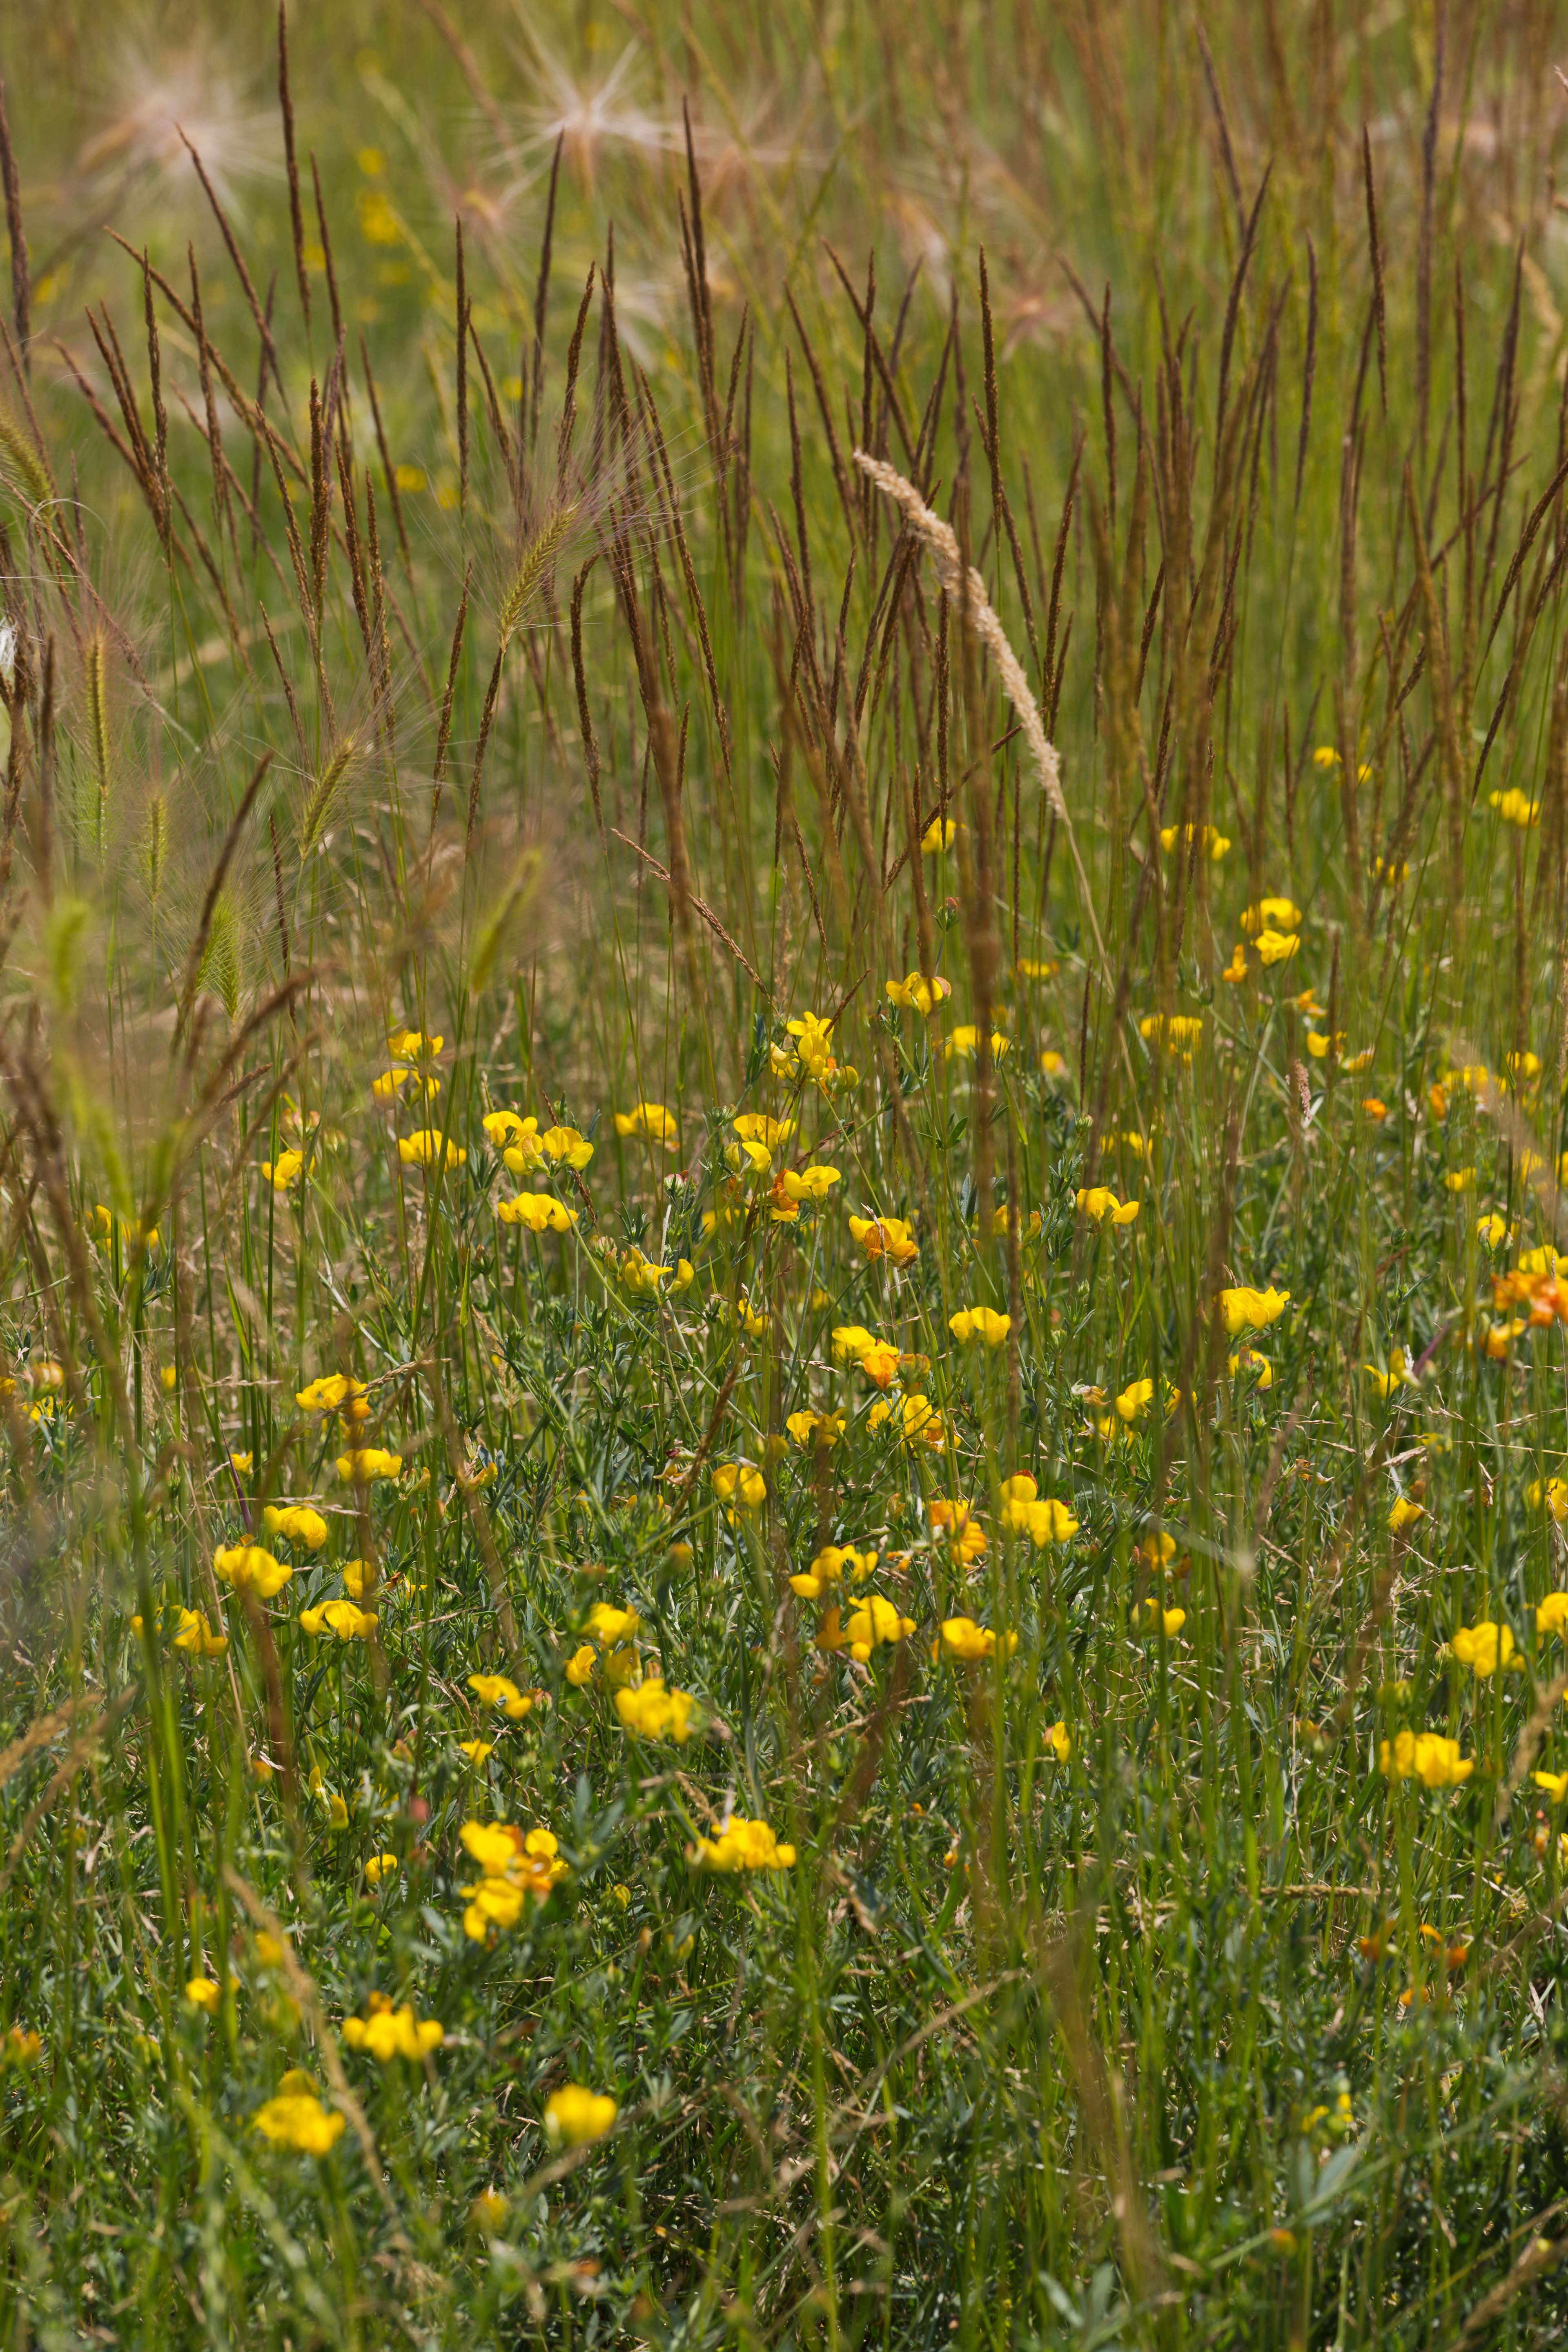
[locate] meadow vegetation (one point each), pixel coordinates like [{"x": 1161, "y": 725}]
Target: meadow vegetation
[{"x": 784, "y": 874}]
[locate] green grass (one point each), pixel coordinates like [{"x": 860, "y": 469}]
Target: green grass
[{"x": 1117, "y": 1988}]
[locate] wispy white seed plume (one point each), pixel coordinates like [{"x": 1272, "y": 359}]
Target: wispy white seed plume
[{"x": 973, "y": 601}]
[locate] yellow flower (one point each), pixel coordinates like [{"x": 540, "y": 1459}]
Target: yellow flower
[
  {"x": 1425, "y": 1755},
  {"x": 969, "y": 1640},
  {"x": 872, "y": 1623},
  {"x": 1276, "y": 947},
  {"x": 938, "y": 836},
  {"x": 1461, "y": 1179},
  {"x": 1405, "y": 1514},
  {"x": 565, "y": 1146},
  {"x": 649, "y": 1120},
  {"x": 813, "y": 1429},
  {"x": 655, "y": 1713},
  {"x": 741, "y": 1846},
  {"x": 1326, "y": 756},
  {"x": 284, "y": 1173},
  {"x": 756, "y": 1127},
  {"x": 500, "y": 1690},
  {"x": 1248, "y": 1359},
  {"x": 477, "y": 1752},
  {"x": 1136, "y": 1400},
  {"x": 738, "y": 1485},
  {"x": 920, "y": 1423},
  {"x": 339, "y": 1617},
  {"x": 1515, "y": 808},
  {"x": 641, "y": 1278},
  {"x": 1100, "y": 1203},
  {"x": 298, "y": 1522},
  {"x": 813, "y": 1183},
  {"x": 1484, "y": 1647},
  {"x": 852, "y": 1343},
  {"x": 1031, "y": 968},
  {"x": 1214, "y": 845},
  {"x": 422, "y": 1150},
  {"x": 388, "y": 2033},
  {"x": 956, "y": 1519},
  {"x": 918, "y": 994},
  {"x": 327, "y": 1394},
  {"x": 574, "y": 2115},
  {"x": 242, "y": 1464},
  {"x": 887, "y": 1237},
  {"x": 833, "y": 1564},
  {"x": 1554, "y": 1783},
  {"x": 1554, "y": 1496},
  {"x": 1270, "y": 914},
  {"x": 1178, "y": 1035},
  {"x": 1023, "y": 1513},
  {"x": 202, "y": 1993},
  {"x": 1052, "y": 1063},
  {"x": 540, "y": 1212},
  {"x": 1169, "y": 1621},
  {"x": 813, "y": 1038},
  {"x": 490, "y": 2210},
  {"x": 364, "y": 1463},
  {"x": 980, "y": 1323},
  {"x": 1398, "y": 1375},
  {"x": 409, "y": 1046},
  {"x": 965, "y": 1042},
  {"x": 196, "y": 1637},
  {"x": 1492, "y": 1230},
  {"x": 504, "y": 1127},
  {"x": 1251, "y": 1310},
  {"x": 298, "y": 2120},
  {"x": 379, "y": 1868},
  {"x": 20, "y": 2047},
  {"x": 250, "y": 1568},
  {"x": 515, "y": 1867},
  {"x": 1236, "y": 970}
]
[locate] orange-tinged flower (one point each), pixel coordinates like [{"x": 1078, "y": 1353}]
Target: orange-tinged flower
[
  {"x": 879, "y": 1363},
  {"x": 956, "y": 1520},
  {"x": 887, "y": 1237}
]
